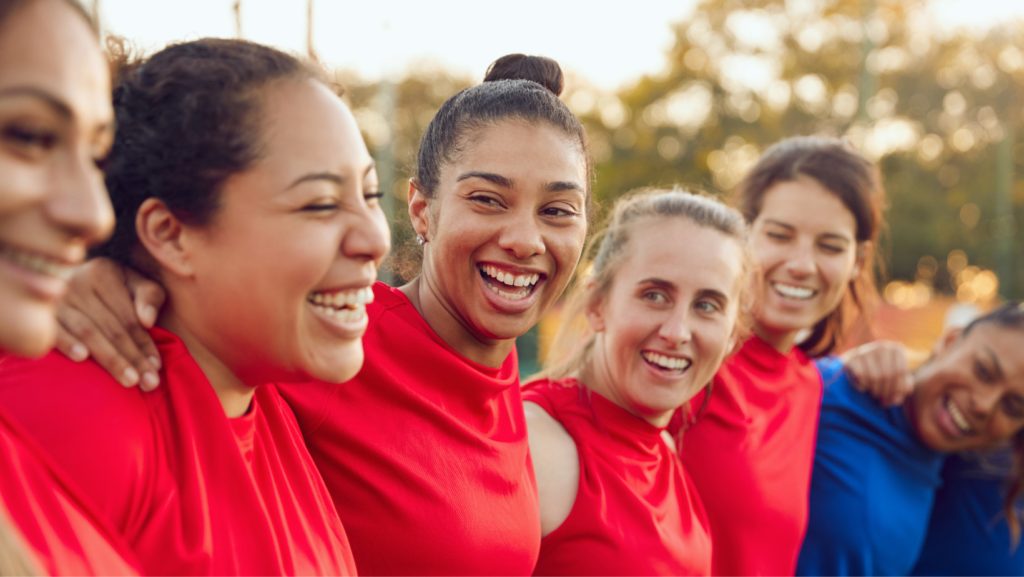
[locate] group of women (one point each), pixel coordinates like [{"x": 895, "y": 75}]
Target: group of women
[{"x": 254, "y": 403}]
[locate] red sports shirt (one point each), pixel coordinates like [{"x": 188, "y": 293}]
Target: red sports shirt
[
  {"x": 425, "y": 453},
  {"x": 191, "y": 491},
  {"x": 636, "y": 512},
  {"x": 62, "y": 535},
  {"x": 750, "y": 456}
]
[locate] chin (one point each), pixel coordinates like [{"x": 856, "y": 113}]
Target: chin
[
  {"x": 341, "y": 364},
  {"x": 30, "y": 331}
]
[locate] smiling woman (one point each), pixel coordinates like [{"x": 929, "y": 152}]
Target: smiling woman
[{"x": 242, "y": 183}]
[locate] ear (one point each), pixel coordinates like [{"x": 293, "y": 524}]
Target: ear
[
  {"x": 947, "y": 339},
  {"x": 593, "y": 306},
  {"x": 418, "y": 209},
  {"x": 863, "y": 249},
  {"x": 160, "y": 232}
]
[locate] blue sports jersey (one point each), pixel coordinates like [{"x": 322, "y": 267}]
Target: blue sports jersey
[
  {"x": 872, "y": 486},
  {"x": 968, "y": 534}
]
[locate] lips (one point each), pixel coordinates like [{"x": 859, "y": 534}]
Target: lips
[
  {"x": 347, "y": 306},
  {"x": 673, "y": 364},
  {"x": 37, "y": 263},
  {"x": 956, "y": 415},
  {"x": 793, "y": 292},
  {"x": 507, "y": 284}
]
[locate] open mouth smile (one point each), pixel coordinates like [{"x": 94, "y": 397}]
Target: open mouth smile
[
  {"x": 37, "y": 263},
  {"x": 508, "y": 285},
  {"x": 960, "y": 422},
  {"x": 347, "y": 306},
  {"x": 793, "y": 292},
  {"x": 675, "y": 365}
]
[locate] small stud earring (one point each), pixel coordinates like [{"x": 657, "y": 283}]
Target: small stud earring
[{"x": 420, "y": 239}]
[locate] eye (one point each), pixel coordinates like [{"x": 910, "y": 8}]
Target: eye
[
  {"x": 655, "y": 297},
  {"x": 488, "y": 201},
  {"x": 982, "y": 372},
  {"x": 830, "y": 248},
  {"x": 1013, "y": 406},
  {"x": 373, "y": 198},
  {"x": 777, "y": 235},
  {"x": 707, "y": 306},
  {"x": 30, "y": 138},
  {"x": 320, "y": 207}
]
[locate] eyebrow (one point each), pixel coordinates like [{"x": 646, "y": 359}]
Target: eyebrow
[
  {"x": 58, "y": 105},
  {"x": 334, "y": 178},
  {"x": 491, "y": 177},
  {"x": 996, "y": 367},
  {"x": 792, "y": 228}
]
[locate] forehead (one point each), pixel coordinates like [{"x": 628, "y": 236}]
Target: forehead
[
  {"x": 307, "y": 127},
  {"x": 808, "y": 206},
  {"x": 690, "y": 256},
  {"x": 46, "y": 45},
  {"x": 989, "y": 340},
  {"x": 528, "y": 153}
]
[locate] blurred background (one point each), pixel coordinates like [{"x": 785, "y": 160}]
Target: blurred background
[{"x": 691, "y": 92}]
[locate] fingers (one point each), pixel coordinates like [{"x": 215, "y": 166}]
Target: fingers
[
  {"x": 147, "y": 295},
  {"x": 97, "y": 313}
]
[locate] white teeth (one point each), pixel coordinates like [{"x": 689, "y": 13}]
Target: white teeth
[
  {"x": 959, "y": 419},
  {"x": 670, "y": 363},
  {"x": 346, "y": 306},
  {"x": 37, "y": 263},
  {"x": 510, "y": 279},
  {"x": 793, "y": 292}
]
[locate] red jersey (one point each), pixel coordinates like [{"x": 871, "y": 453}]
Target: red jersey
[
  {"x": 62, "y": 535},
  {"x": 191, "y": 491},
  {"x": 425, "y": 453},
  {"x": 750, "y": 455},
  {"x": 636, "y": 511}
]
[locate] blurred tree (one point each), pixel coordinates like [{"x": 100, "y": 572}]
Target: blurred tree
[{"x": 929, "y": 105}]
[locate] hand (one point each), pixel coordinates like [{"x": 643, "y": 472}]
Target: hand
[
  {"x": 880, "y": 368},
  {"x": 97, "y": 317}
]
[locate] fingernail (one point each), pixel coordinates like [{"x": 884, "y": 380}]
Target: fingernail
[
  {"x": 150, "y": 380},
  {"x": 148, "y": 315},
  {"x": 155, "y": 361},
  {"x": 79, "y": 353},
  {"x": 131, "y": 377}
]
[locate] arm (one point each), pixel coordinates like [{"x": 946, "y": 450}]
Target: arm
[
  {"x": 881, "y": 368},
  {"x": 556, "y": 464},
  {"x": 105, "y": 314}
]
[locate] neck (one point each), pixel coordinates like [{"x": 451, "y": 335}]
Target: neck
[
  {"x": 235, "y": 397},
  {"x": 595, "y": 376},
  {"x": 782, "y": 341},
  {"x": 450, "y": 327}
]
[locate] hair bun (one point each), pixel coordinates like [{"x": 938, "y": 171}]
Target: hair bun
[{"x": 540, "y": 69}]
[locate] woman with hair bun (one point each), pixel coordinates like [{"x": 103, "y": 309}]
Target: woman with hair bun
[
  {"x": 226, "y": 151},
  {"x": 661, "y": 306},
  {"x": 56, "y": 124},
  {"x": 425, "y": 451},
  {"x": 815, "y": 210}
]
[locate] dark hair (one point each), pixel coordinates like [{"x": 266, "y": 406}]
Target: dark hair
[
  {"x": 857, "y": 182},
  {"x": 1011, "y": 316},
  {"x": 7, "y": 7},
  {"x": 188, "y": 117},
  {"x": 516, "y": 87}
]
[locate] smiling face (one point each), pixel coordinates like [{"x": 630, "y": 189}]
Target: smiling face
[
  {"x": 668, "y": 319},
  {"x": 804, "y": 239},
  {"x": 281, "y": 275},
  {"x": 970, "y": 395},
  {"x": 55, "y": 124},
  {"x": 507, "y": 226}
]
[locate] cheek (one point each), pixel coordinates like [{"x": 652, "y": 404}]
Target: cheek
[{"x": 22, "y": 188}]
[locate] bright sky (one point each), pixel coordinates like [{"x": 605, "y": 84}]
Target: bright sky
[{"x": 609, "y": 44}]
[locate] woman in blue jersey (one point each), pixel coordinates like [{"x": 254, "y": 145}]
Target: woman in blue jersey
[{"x": 877, "y": 468}]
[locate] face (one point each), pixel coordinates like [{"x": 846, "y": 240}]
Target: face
[
  {"x": 970, "y": 395},
  {"x": 279, "y": 279},
  {"x": 805, "y": 242},
  {"x": 55, "y": 125},
  {"x": 508, "y": 226},
  {"x": 669, "y": 317}
]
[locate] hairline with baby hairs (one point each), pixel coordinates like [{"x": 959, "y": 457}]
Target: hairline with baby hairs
[
  {"x": 1010, "y": 315},
  {"x": 574, "y": 342},
  {"x": 189, "y": 117},
  {"x": 857, "y": 183}
]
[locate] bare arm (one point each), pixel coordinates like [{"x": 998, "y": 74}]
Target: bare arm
[
  {"x": 105, "y": 315},
  {"x": 556, "y": 464}
]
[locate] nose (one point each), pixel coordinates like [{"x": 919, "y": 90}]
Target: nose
[
  {"x": 78, "y": 202},
  {"x": 984, "y": 401},
  {"x": 676, "y": 328},
  {"x": 800, "y": 263},
  {"x": 521, "y": 235},
  {"x": 368, "y": 238}
]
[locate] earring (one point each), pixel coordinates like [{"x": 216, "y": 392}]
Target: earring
[{"x": 420, "y": 239}]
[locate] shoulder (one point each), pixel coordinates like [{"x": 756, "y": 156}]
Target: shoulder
[{"x": 555, "y": 464}]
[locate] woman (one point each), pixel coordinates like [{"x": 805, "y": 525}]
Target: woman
[
  {"x": 56, "y": 125},
  {"x": 814, "y": 206},
  {"x": 661, "y": 304},
  {"x": 425, "y": 451},
  {"x": 876, "y": 469},
  {"x": 225, "y": 150}
]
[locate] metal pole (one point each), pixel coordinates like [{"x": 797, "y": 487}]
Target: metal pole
[
  {"x": 1005, "y": 225},
  {"x": 310, "y": 51},
  {"x": 96, "y": 16},
  {"x": 238, "y": 19},
  {"x": 867, "y": 78},
  {"x": 384, "y": 155}
]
